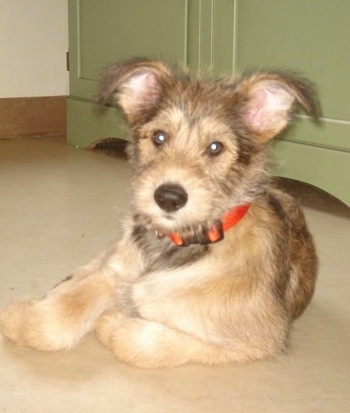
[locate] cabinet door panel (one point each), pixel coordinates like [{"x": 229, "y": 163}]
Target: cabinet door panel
[
  {"x": 312, "y": 37},
  {"x": 119, "y": 29},
  {"x": 191, "y": 32},
  {"x": 211, "y": 43}
]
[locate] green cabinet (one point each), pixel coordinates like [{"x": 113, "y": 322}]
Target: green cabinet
[
  {"x": 311, "y": 36},
  {"x": 196, "y": 33}
]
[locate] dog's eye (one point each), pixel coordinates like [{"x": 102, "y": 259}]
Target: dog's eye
[
  {"x": 215, "y": 148},
  {"x": 159, "y": 138}
]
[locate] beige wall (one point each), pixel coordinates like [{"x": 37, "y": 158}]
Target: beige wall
[{"x": 33, "y": 43}]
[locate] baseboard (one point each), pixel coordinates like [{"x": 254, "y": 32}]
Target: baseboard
[{"x": 32, "y": 116}]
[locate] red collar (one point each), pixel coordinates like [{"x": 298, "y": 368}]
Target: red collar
[{"x": 216, "y": 232}]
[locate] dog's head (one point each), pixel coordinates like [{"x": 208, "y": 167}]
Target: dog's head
[{"x": 199, "y": 144}]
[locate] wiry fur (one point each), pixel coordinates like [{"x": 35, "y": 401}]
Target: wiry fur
[{"x": 155, "y": 304}]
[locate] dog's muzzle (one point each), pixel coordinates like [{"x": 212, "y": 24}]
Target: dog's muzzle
[{"x": 170, "y": 197}]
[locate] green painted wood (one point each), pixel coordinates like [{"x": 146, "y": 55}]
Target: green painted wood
[
  {"x": 274, "y": 33},
  {"x": 313, "y": 38},
  {"x": 224, "y": 40},
  {"x": 211, "y": 42},
  {"x": 187, "y": 31},
  {"x": 196, "y": 33},
  {"x": 104, "y": 32},
  {"x": 324, "y": 168},
  {"x": 86, "y": 123},
  {"x": 326, "y": 133},
  {"x": 224, "y": 36},
  {"x": 309, "y": 35}
]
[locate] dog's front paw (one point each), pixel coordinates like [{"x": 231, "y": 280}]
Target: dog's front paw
[
  {"x": 107, "y": 325},
  {"x": 137, "y": 342},
  {"x": 29, "y": 323},
  {"x": 15, "y": 320}
]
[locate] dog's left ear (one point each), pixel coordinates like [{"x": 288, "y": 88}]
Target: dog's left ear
[{"x": 271, "y": 100}]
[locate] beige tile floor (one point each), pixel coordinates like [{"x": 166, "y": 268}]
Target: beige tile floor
[{"x": 60, "y": 206}]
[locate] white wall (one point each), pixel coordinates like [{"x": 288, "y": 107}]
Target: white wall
[{"x": 33, "y": 43}]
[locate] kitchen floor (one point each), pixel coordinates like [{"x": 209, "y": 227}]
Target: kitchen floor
[{"x": 60, "y": 206}]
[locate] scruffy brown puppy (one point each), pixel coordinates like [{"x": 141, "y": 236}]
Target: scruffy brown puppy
[{"x": 215, "y": 263}]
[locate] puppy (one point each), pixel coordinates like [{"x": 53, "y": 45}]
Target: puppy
[{"x": 215, "y": 263}]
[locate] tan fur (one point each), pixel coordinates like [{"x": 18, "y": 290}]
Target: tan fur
[{"x": 154, "y": 304}]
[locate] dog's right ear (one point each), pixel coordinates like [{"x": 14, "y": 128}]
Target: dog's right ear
[{"x": 136, "y": 85}]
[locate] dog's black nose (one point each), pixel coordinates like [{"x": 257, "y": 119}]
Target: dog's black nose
[{"x": 170, "y": 197}]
